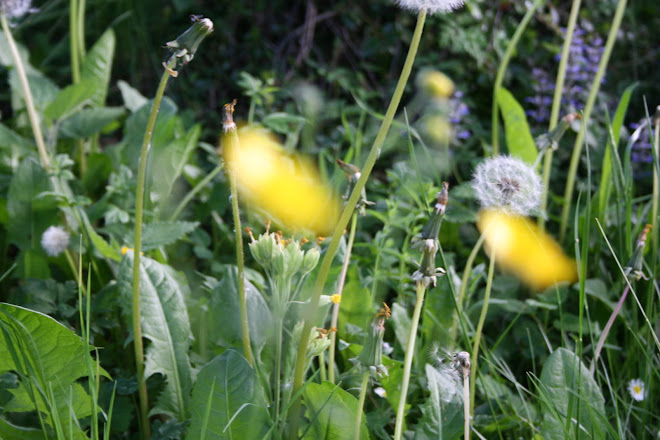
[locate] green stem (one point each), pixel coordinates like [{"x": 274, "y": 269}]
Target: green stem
[
  {"x": 137, "y": 243},
  {"x": 242, "y": 303},
  {"x": 499, "y": 78},
  {"x": 193, "y": 192},
  {"x": 345, "y": 217},
  {"x": 73, "y": 41},
  {"x": 29, "y": 102},
  {"x": 335, "y": 308},
  {"x": 480, "y": 327},
  {"x": 556, "y": 104},
  {"x": 466, "y": 404},
  {"x": 81, "y": 29},
  {"x": 363, "y": 395},
  {"x": 407, "y": 361},
  {"x": 591, "y": 100}
]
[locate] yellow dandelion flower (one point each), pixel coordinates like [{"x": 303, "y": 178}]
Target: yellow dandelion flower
[
  {"x": 286, "y": 187},
  {"x": 436, "y": 84},
  {"x": 522, "y": 248},
  {"x": 336, "y": 298}
]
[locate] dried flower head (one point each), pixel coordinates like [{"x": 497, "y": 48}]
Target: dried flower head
[
  {"x": 432, "y": 6},
  {"x": 55, "y": 240},
  {"x": 186, "y": 44},
  {"x": 508, "y": 184}
]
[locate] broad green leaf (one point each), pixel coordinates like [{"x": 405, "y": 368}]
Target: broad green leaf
[
  {"x": 606, "y": 188},
  {"x": 97, "y": 66},
  {"x": 443, "y": 410},
  {"x": 438, "y": 313},
  {"x": 89, "y": 121},
  {"x": 13, "y": 144},
  {"x": 332, "y": 413},
  {"x": 133, "y": 99},
  {"x": 162, "y": 234},
  {"x": 224, "y": 302},
  {"x": 519, "y": 140},
  {"x": 283, "y": 122},
  {"x": 136, "y": 124},
  {"x": 168, "y": 160},
  {"x": 70, "y": 99},
  {"x": 100, "y": 244},
  {"x": 227, "y": 401},
  {"x": 13, "y": 432},
  {"x": 51, "y": 357},
  {"x": 165, "y": 323},
  {"x": 29, "y": 215},
  {"x": 99, "y": 167},
  {"x": 43, "y": 90},
  {"x": 402, "y": 323},
  {"x": 566, "y": 382},
  {"x": 355, "y": 304}
]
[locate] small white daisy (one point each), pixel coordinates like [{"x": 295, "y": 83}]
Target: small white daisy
[
  {"x": 637, "y": 390},
  {"x": 380, "y": 391},
  {"x": 55, "y": 240}
]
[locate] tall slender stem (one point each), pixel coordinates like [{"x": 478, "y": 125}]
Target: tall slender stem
[
  {"x": 202, "y": 183},
  {"x": 464, "y": 282},
  {"x": 335, "y": 308},
  {"x": 345, "y": 217},
  {"x": 363, "y": 395},
  {"x": 591, "y": 100},
  {"x": 499, "y": 78},
  {"x": 73, "y": 41},
  {"x": 137, "y": 244},
  {"x": 556, "y": 104},
  {"x": 480, "y": 327},
  {"x": 232, "y": 138},
  {"x": 407, "y": 361},
  {"x": 608, "y": 327},
  {"x": 29, "y": 101}
]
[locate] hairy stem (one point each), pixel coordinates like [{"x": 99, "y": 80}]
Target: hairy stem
[
  {"x": 335, "y": 308},
  {"x": 137, "y": 244},
  {"x": 345, "y": 217},
  {"x": 363, "y": 395},
  {"x": 407, "y": 361}
]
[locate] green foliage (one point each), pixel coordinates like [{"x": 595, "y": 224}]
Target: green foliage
[
  {"x": 227, "y": 401},
  {"x": 519, "y": 139},
  {"x": 331, "y": 411},
  {"x": 165, "y": 323}
]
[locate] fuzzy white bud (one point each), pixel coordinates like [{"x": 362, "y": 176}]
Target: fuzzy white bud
[
  {"x": 508, "y": 184},
  {"x": 432, "y": 6},
  {"x": 55, "y": 240}
]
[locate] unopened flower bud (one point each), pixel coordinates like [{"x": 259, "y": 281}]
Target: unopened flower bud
[
  {"x": 371, "y": 356},
  {"x": 432, "y": 227},
  {"x": 633, "y": 269},
  {"x": 310, "y": 260}
]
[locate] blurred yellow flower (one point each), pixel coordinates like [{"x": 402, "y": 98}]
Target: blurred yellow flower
[
  {"x": 286, "y": 187},
  {"x": 522, "y": 248},
  {"x": 435, "y": 83}
]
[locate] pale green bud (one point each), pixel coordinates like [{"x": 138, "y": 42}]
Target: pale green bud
[{"x": 310, "y": 260}]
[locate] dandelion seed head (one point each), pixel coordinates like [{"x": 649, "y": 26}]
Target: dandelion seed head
[
  {"x": 55, "y": 240},
  {"x": 16, "y": 8},
  {"x": 508, "y": 184},
  {"x": 432, "y": 6}
]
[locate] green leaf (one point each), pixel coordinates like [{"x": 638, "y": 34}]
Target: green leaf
[
  {"x": 224, "y": 302},
  {"x": 29, "y": 215},
  {"x": 162, "y": 234},
  {"x": 165, "y": 323},
  {"x": 50, "y": 356},
  {"x": 566, "y": 383},
  {"x": 70, "y": 99},
  {"x": 133, "y": 99},
  {"x": 89, "y": 121},
  {"x": 13, "y": 144},
  {"x": 13, "y": 432},
  {"x": 283, "y": 122},
  {"x": 43, "y": 90},
  {"x": 332, "y": 413},
  {"x": 402, "y": 323},
  {"x": 102, "y": 246},
  {"x": 97, "y": 66},
  {"x": 168, "y": 160},
  {"x": 227, "y": 401},
  {"x": 519, "y": 138},
  {"x": 355, "y": 304},
  {"x": 443, "y": 410}
]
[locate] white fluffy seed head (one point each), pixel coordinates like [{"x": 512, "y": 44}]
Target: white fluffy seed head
[
  {"x": 508, "y": 184},
  {"x": 432, "y": 6},
  {"x": 55, "y": 240},
  {"x": 16, "y": 8}
]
